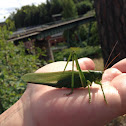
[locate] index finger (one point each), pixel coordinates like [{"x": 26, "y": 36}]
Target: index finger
[{"x": 85, "y": 64}]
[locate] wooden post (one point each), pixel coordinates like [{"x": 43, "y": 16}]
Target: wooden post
[
  {"x": 44, "y": 44},
  {"x": 49, "y": 51}
]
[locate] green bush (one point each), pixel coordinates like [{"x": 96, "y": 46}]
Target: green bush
[
  {"x": 88, "y": 51},
  {"x": 82, "y": 36},
  {"x": 13, "y": 64}
]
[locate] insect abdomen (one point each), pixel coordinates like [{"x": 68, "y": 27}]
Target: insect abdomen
[{"x": 66, "y": 81}]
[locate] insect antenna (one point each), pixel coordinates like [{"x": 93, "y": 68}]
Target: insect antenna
[
  {"x": 112, "y": 61},
  {"x": 106, "y": 65}
]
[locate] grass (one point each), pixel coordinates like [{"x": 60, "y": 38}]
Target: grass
[{"x": 99, "y": 64}]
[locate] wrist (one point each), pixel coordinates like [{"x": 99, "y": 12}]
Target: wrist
[{"x": 19, "y": 114}]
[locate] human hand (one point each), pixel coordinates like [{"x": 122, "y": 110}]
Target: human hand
[
  {"x": 43, "y": 105},
  {"x": 49, "y": 106}
]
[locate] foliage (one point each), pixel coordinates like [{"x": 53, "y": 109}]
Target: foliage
[
  {"x": 84, "y": 35},
  {"x": 93, "y": 35},
  {"x": 88, "y": 51},
  {"x": 13, "y": 64},
  {"x": 10, "y": 24},
  {"x": 29, "y": 14},
  {"x": 56, "y": 6},
  {"x": 69, "y": 9},
  {"x": 35, "y": 15},
  {"x": 71, "y": 37},
  {"x": 83, "y": 7},
  {"x": 88, "y": 34},
  {"x": 42, "y": 14}
]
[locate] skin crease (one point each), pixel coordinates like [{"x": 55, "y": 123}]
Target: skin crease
[{"x": 48, "y": 106}]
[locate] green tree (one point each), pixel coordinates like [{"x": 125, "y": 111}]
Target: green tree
[
  {"x": 48, "y": 9},
  {"x": 56, "y": 6},
  {"x": 83, "y": 7},
  {"x": 10, "y": 23},
  {"x": 42, "y": 13},
  {"x": 20, "y": 14},
  {"x": 69, "y": 9}
]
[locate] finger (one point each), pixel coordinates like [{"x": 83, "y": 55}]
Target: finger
[
  {"x": 110, "y": 74},
  {"x": 86, "y": 64},
  {"x": 120, "y": 84},
  {"x": 54, "y": 67},
  {"x": 121, "y": 65}
]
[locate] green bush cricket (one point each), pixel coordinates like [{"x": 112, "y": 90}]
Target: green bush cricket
[{"x": 69, "y": 79}]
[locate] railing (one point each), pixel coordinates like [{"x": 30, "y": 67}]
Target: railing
[{"x": 35, "y": 30}]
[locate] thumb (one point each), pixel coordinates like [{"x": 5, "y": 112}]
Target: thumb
[{"x": 120, "y": 84}]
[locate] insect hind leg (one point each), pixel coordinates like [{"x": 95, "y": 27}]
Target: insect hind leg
[
  {"x": 89, "y": 84},
  {"x": 99, "y": 83}
]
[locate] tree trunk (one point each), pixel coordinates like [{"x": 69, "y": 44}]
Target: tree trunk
[{"x": 111, "y": 18}]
